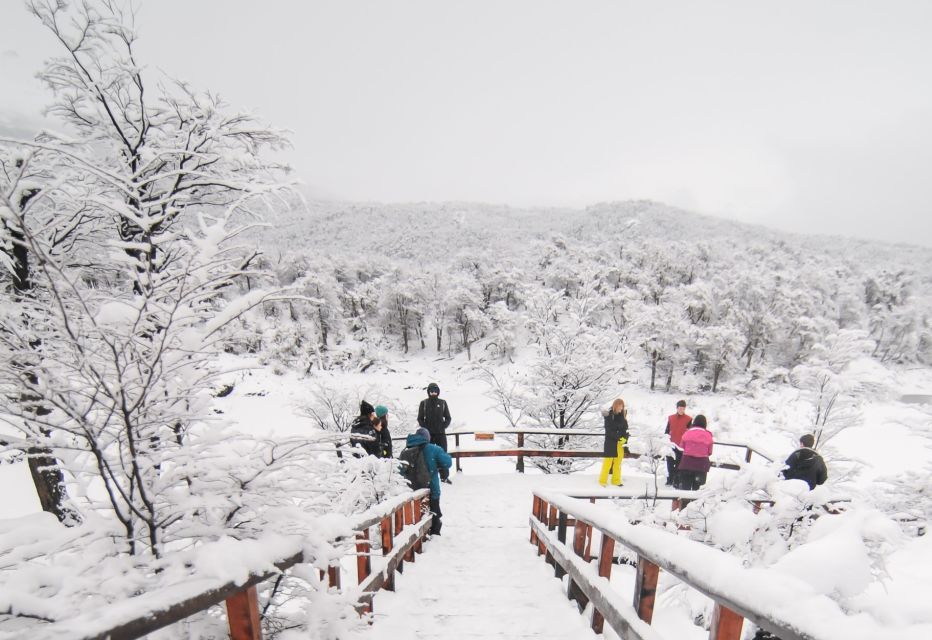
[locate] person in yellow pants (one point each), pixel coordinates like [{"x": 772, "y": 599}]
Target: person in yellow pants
[{"x": 616, "y": 435}]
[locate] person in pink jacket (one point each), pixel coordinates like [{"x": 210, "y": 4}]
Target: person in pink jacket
[{"x": 697, "y": 447}]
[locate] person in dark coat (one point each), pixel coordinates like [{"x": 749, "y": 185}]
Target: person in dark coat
[
  {"x": 696, "y": 462},
  {"x": 383, "y": 436},
  {"x": 437, "y": 460},
  {"x": 806, "y": 464},
  {"x": 364, "y": 425},
  {"x": 677, "y": 424},
  {"x": 616, "y": 435},
  {"x": 433, "y": 414}
]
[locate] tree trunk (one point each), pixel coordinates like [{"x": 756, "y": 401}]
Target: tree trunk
[
  {"x": 439, "y": 331},
  {"x": 716, "y": 372},
  {"x": 43, "y": 467},
  {"x": 653, "y": 369},
  {"x": 323, "y": 327}
]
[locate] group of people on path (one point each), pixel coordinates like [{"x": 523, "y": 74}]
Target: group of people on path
[
  {"x": 688, "y": 467},
  {"x": 425, "y": 461}
]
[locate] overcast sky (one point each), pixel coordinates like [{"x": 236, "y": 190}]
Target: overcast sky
[{"x": 807, "y": 116}]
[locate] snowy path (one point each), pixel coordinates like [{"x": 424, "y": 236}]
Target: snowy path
[{"x": 481, "y": 578}]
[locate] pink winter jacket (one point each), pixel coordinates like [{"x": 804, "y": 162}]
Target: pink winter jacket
[{"x": 697, "y": 442}]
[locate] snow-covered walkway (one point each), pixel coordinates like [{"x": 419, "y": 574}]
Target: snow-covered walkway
[{"x": 481, "y": 578}]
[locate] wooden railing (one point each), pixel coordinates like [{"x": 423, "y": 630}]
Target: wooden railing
[
  {"x": 403, "y": 523},
  {"x": 521, "y": 451},
  {"x": 736, "y": 591}
]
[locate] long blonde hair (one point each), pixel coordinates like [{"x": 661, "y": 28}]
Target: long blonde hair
[{"x": 618, "y": 407}]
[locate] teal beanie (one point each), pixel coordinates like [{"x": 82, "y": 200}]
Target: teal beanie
[{"x": 381, "y": 410}]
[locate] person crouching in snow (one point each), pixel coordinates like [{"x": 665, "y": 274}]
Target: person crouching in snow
[
  {"x": 695, "y": 464},
  {"x": 436, "y": 459},
  {"x": 616, "y": 435},
  {"x": 806, "y": 464}
]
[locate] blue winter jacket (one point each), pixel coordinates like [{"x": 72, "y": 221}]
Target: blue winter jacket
[{"x": 435, "y": 457}]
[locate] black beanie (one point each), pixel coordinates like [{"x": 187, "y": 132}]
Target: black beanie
[
  {"x": 433, "y": 387},
  {"x": 365, "y": 409}
]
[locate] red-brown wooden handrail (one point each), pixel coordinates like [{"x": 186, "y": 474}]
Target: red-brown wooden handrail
[
  {"x": 241, "y": 600},
  {"x": 552, "y": 514}
]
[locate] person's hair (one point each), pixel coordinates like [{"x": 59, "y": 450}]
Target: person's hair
[
  {"x": 807, "y": 440},
  {"x": 681, "y": 403},
  {"x": 618, "y": 407},
  {"x": 699, "y": 421}
]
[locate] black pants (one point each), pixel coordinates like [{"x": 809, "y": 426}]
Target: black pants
[
  {"x": 435, "y": 509},
  {"x": 440, "y": 439},
  {"x": 672, "y": 463},
  {"x": 689, "y": 480}
]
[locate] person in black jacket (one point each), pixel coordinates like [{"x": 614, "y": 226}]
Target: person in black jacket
[
  {"x": 363, "y": 425},
  {"x": 806, "y": 464},
  {"x": 616, "y": 435},
  {"x": 433, "y": 414}
]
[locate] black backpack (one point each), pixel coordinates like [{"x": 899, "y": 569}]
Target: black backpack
[{"x": 415, "y": 469}]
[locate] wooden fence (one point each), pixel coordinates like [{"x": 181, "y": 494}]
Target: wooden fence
[
  {"x": 403, "y": 523},
  {"x": 552, "y": 516},
  {"x": 521, "y": 451}
]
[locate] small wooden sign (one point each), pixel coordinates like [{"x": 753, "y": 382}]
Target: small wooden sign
[{"x": 484, "y": 436}]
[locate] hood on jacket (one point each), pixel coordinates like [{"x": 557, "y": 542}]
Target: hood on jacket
[
  {"x": 807, "y": 458},
  {"x": 416, "y": 440}
]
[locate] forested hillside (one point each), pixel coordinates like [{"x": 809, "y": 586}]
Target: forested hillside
[{"x": 700, "y": 301}]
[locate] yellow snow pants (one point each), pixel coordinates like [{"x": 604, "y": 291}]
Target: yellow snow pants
[{"x": 613, "y": 465}]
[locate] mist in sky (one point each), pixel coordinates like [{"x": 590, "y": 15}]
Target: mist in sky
[{"x": 810, "y": 117}]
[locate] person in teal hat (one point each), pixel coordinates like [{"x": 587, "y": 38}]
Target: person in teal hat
[{"x": 383, "y": 437}]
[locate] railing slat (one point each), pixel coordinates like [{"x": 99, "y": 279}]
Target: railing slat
[
  {"x": 243, "y": 615},
  {"x": 645, "y": 588},
  {"x": 726, "y": 624}
]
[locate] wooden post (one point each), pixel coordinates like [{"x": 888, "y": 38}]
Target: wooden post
[
  {"x": 363, "y": 559},
  {"x": 606, "y": 559},
  {"x": 519, "y": 467},
  {"x": 535, "y": 511},
  {"x": 456, "y": 439},
  {"x": 409, "y": 520},
  {"x": 420, "y": 509},
  {"x": 243, "y": 615},
  {"x": 747, "y": 456},
  {"x": 386, "y": 529},
  {"x": 333, "y": 576},
  {"x": 726, "y": 624},
  {"x": 544, "y": 508},
  {"x": 579, "y": 547},
  {"x": 645, "y": 588},
  {"x": 561, "y": 536}
]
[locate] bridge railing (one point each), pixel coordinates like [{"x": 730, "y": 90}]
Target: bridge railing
[
  {"x": 778, "y": 603},
  {"x": 520, "y": 451},
  {"x": 402, "y": 522}
]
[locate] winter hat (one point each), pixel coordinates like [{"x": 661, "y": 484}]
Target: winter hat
[
  {"x": 421, "y": 431},
  {"x": 365, "y": 408},
  {"x": 381, "y": 410},
  {"x": 433, "y": 388},
  {"x": 699, "y": 421}
]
